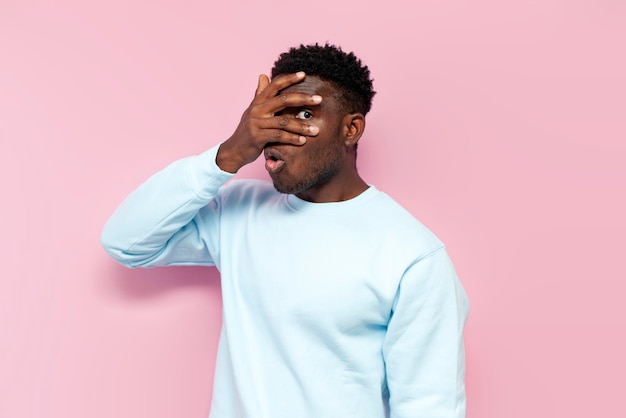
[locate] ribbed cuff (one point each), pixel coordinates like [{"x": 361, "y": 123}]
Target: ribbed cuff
[{"x": 204, "y": 175}]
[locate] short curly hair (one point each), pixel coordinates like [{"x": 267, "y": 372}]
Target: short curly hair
[{"x": 343, "y": 70}]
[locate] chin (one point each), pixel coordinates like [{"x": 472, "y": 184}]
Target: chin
[
  {"x": 293, "y": 187},
  {"x": 288, "y": 189},
  {"x": 290, "y": 185}
]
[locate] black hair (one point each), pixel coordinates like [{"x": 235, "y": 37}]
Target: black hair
[{"x": 343, "y": 70}]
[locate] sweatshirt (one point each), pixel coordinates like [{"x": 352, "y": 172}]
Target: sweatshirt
[{"x": 330, "y": 310}]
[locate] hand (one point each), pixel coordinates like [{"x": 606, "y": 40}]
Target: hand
[{"x": 259, "y": 125}]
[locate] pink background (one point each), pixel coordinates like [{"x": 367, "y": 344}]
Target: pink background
[{"x": 501, "y": 125}]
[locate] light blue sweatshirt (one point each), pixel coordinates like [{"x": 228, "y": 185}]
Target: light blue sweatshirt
[{"x": 331, "y": 310}]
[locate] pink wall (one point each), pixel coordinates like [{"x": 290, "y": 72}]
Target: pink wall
[{"x": 501, "y": 125}]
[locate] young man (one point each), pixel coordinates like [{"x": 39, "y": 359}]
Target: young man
[{"x": 337, "y": 302}]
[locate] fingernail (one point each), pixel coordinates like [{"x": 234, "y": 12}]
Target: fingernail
[
  {"x": 302, "y": 140},
  {"x": 314, "y": 129},
  {"x": 300, "y": 74},
  {"x": 316, "y": 99}
]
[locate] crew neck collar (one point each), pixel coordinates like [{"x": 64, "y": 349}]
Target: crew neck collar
[{"x": 295, "y": 203}]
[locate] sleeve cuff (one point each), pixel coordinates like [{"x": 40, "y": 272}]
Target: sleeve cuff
[{"x": 204, "y": 175}]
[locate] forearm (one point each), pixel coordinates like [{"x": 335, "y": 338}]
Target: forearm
[{"x": 140, "y": 230}]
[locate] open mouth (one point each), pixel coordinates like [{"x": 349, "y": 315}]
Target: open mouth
[{"x": 273, "y": 161}]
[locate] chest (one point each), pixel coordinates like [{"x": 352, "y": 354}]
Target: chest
[{"x": 323, "y": 272}]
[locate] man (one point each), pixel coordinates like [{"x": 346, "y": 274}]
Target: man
[{"x": 337, "y": 302}]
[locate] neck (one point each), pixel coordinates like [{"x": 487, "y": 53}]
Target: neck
[{"x": 343, "y": 186}]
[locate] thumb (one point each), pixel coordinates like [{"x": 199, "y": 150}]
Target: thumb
[{"x": 264, "y": 81}]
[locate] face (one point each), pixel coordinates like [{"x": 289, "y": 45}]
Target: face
[{"x": 322, "y": 157}]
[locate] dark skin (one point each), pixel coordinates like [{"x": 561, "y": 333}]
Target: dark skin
[{"x": 306, "y": 136}]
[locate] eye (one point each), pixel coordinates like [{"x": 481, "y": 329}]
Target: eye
[{"x": 304, "y": 114}]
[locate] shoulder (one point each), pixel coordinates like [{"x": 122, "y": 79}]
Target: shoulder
[{"x": 401, "y": 229}]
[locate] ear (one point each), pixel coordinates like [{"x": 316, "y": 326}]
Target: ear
[{"x": 353, "y": 127}]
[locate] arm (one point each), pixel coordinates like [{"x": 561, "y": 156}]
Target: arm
[
  {"x": 172, "y": 218},
  {"x": 161, "y": 222},
  {"x": 423, "y": 349}
]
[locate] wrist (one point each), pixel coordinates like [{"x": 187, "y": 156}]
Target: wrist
[{"x": 226, "y": 161}]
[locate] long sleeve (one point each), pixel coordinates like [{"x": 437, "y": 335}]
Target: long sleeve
[
  {"x": 423, "y": 348},
  {"x": 165, "y": 221}
]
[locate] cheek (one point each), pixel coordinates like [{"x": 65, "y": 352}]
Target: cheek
[{"x": 318, "y": 149}]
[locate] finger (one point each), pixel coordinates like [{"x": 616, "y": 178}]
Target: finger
[
  {"x": 280, "y": 136},
  {"x": 262, "y": 84},
  {"x": 282, "y": 82},
  {"x": 283, "y": 101},
  {"x": 288, "y": 124}
]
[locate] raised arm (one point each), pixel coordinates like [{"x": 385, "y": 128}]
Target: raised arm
[
  {"x": 165, "y": 220},
  {"x": 171, "y": 219}
]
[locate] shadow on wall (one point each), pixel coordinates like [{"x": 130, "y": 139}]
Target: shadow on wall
[{"x": 151, "y": 283}]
